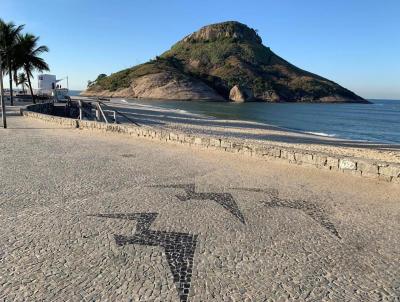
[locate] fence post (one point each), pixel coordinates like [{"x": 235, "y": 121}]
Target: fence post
[
  {"x": 98, "y": 117},
  {"x": 80, "y": 110}
]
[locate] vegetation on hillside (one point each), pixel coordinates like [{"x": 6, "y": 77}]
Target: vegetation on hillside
[
  {"x": 123, "y": 78},
  {"x": 228, "y": 54}
]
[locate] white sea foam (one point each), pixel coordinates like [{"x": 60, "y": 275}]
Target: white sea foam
[{"x": 320, "y": 134}]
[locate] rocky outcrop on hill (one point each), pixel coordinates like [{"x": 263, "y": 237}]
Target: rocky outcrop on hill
[
  {"x": 225, "y": 30},
  {"x": 162, "y": 85},
  {"x": 222, "y": 62}
]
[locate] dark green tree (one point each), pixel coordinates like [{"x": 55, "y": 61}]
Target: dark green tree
[
  {"x": 28, "y": 57},
  {"x": 8, "y": 39},
  {"x": 22, "y": 80},
  {"x": 100, "y": 77}
]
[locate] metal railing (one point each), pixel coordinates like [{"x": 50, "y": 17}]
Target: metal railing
[{"x": 101, "y": 113}]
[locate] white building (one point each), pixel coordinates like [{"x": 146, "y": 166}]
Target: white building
[
  {"x": 46, "y": 82},
  {"x": 47, "y": 85}
]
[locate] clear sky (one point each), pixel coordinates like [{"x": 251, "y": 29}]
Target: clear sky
[{"x": 355, "y": 43}]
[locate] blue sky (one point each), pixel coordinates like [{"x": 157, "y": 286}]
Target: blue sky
[{"x": 355, "y": 43}]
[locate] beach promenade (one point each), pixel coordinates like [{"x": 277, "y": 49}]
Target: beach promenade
[{"x": 87, "y": 216}]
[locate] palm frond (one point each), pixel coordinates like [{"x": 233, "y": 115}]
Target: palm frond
[
  {"x": 39, "y": 64},
  {"x": 40, "y": 50},
  {"x": 28, "y": 54}
]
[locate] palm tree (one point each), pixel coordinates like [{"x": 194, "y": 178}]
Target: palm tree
[
  {"x": 8, "y": 39},
  {"x": 27, "y": 54},
  {"x": 22, "y": 80}
]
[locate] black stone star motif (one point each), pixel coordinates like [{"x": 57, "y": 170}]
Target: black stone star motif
[
  {"x": 179, "y": 247},
  {"x": 258, "y": 190},
  {"x": 312, "y": 210},
  {"x": 226, "y": 200}
]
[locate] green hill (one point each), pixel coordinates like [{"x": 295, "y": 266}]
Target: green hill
[{"x": 220, "y": 62}]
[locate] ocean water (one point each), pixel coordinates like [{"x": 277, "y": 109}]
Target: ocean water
[
  {"x": 74, "y": 92},
  {"x": 376, "y": 122}
]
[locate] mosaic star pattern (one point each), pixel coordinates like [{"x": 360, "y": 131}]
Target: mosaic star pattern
[
  {"x": 179, "y": 247},
  {"x": 313, "y": 210},
  {"x": 310, "y": 209},
  {"x": 226, "y": 200}
]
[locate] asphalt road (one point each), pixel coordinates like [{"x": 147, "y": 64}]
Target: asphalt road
[{"x": 86, "y": 216}]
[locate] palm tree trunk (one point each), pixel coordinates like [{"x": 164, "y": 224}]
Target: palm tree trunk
[
  {"x": 16, "y": 78},
  {"x": 30, "y": 88},
  {"x": 3, "y": 106},
  {"x": 11, "y": 85}
]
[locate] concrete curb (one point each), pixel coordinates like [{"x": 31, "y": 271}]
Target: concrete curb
[{"x": 386, "y": 171}]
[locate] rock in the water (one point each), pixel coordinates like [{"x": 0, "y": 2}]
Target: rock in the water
[{"x": 240, "y": 95}]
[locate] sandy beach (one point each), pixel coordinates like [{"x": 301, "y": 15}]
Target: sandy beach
[{"x": 253, "y": 132}]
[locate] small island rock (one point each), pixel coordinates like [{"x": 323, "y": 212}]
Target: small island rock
[{"x": 240, "y": 95}]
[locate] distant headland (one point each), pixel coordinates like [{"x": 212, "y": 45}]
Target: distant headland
[{"x": 221, "y": 62}]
